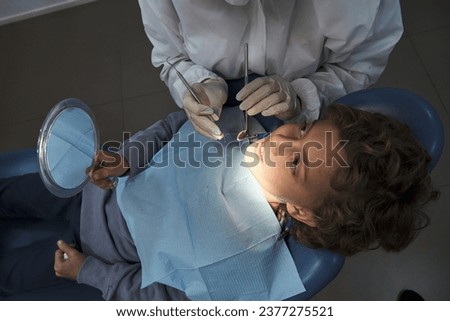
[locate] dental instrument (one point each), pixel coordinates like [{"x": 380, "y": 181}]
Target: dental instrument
[
  {"x": 244, "y": 133},
  {"x": 190, "y": 89}
]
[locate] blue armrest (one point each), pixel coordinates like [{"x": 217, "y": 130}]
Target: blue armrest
[{"x": 18, "y": 162}]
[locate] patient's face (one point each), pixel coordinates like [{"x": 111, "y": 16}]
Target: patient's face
[{"x": 294, "y": 165}]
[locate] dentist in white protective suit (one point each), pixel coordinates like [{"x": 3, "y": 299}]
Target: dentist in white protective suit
[{"x": 308, "y": 52}]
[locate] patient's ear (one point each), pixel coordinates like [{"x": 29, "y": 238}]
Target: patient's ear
[{"x": 302, "y": 214}]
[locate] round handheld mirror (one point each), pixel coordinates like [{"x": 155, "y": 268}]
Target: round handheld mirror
[{"x": 68, "y": 142}]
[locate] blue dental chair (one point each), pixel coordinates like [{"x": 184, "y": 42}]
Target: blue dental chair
[
  {"x": 409, "y": 109},
  {"x": 317, "y": 267}
]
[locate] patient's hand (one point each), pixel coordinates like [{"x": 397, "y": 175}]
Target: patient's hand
[
  {"x": 107, "y": 165},
  {"x": 68, "y": 261}
]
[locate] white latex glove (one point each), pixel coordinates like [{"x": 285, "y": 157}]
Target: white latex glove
[
  {"x": 270, "y": 96},
  {"x": 213, "y": 94}
]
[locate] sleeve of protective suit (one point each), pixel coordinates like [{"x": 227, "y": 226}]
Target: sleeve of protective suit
[
  {"x": 140, "y": 148},
  {"x": 162, "y": 27},
  {"x": 354, "y": 54}
]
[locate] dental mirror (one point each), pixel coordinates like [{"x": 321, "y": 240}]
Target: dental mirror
[
  {"x": 244, "y": 133},
  {"x": 67, "y": 144}
]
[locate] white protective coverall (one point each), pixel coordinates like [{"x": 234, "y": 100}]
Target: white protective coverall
[{"x": 325, "y": 48}]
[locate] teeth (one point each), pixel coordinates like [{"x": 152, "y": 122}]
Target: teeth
[{"x": 257, "y": 137}]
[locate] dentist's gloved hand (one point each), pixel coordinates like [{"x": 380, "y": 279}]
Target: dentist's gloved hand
[
  {"x": 270, "y": 96},
  {"x": 213, "y": 94}
]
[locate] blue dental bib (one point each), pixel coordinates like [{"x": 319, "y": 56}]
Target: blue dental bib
[{"x": 201, "y": 224}]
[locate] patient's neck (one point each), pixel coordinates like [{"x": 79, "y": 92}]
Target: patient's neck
[{"x": 273, "y": 201}]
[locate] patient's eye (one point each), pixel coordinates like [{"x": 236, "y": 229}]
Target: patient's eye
[{"x": 295, "y": 162}]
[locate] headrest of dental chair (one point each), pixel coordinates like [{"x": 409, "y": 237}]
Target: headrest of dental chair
[{"x": 408, "y": 108}]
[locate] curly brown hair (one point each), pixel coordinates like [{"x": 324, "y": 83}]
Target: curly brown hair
[{"x": 377, "y": 201}]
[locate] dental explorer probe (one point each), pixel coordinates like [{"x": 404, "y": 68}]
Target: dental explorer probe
[{"x": 190, "y": 89}]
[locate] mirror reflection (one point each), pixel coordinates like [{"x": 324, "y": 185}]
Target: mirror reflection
[
  {"x": 67, "y": 145},
  {"x": 70, "y": 147}
]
